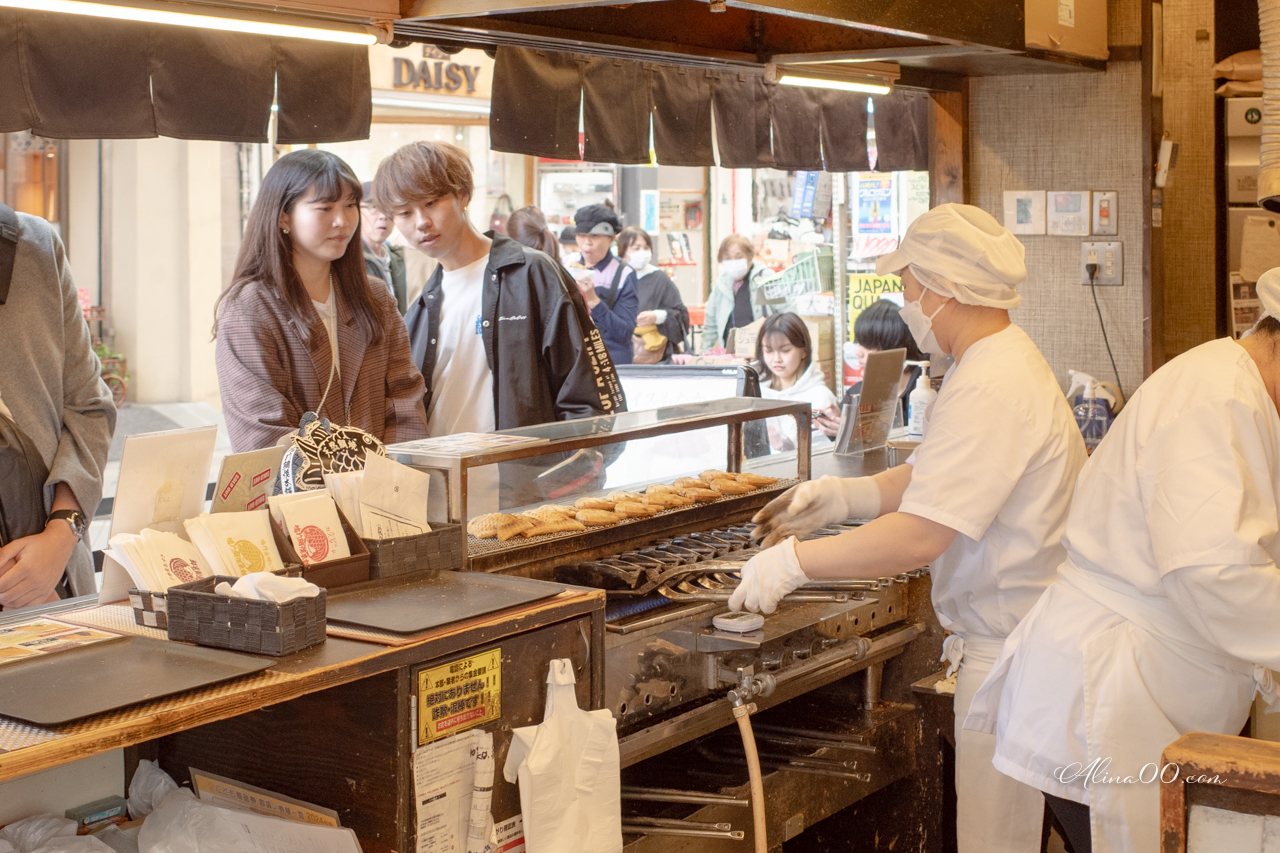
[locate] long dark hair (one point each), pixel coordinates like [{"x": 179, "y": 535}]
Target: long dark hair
[
  {"x": 266, "y": 252},
  {"x": 794, "y": 330},
  {"x": 529, "y": 227}
]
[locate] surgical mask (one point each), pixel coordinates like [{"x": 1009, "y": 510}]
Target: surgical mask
[
  {"x": 638, "y": 259},
  {"x": 920, "y": 326},
  {"x": 735, "y": 268}
]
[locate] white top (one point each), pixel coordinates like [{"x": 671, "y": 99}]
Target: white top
[
  {"x": 1166, "y": 600},
  {"x": 999, "y": 458},
  {"x": 328, "y": 311},
  {"x": 812, "y": 388},
  {"x": 463, "y": 382}
]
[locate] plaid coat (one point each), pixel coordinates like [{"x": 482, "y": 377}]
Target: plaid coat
[{"x": 273, "y": 367}]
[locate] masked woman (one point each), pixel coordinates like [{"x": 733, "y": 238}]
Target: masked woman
[
  {"x": 735, "y": 295},
  {"x": 1162, "y": 619},
  {"x": 301, "y": 329}
]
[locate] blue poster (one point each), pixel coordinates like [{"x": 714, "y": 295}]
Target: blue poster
[
  {"x": 802, "y": 196},
  {"x": 875, "y": 204}
]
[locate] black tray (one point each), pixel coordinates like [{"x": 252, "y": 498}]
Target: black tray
[
  {"x": 64, "y": 686},
  {"x": 413, "y": 607}
]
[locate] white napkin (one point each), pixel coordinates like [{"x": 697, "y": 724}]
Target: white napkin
[{"x": 268, "y": 587}]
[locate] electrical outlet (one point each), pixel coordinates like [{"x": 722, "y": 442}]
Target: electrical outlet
[{"x": 1110, "y": 260}]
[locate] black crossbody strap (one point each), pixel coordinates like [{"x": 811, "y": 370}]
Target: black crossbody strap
[{"x": 8, "y": 248}]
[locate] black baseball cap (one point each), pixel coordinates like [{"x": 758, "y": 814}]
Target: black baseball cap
[
  {"x": 597, "y": 219},
  {"x": 568, "y": 234}
]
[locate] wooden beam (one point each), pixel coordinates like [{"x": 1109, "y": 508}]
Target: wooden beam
[
  {"x": 948, "y": 131},
  {"x": 440, "y": 10}
]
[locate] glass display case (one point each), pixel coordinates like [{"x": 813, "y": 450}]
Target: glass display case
[{"x": 565, "y": 468}]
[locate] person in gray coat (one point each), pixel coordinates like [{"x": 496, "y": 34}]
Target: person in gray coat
[{"x": 51, "y": 387}]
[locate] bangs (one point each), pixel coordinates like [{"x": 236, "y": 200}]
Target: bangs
[{"x": 334, "y": 184}]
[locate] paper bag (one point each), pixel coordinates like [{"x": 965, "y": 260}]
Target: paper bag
[
  {"x": 1259, "y": 246},
  {"x": 568, "y": 770}
]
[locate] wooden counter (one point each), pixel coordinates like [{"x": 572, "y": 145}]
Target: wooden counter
[{"x": 25, "y": 748}]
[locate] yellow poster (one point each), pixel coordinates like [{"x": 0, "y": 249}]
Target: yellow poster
[
  {"x": 865, "y": 290},
  {"x": 459, "y": 695}
]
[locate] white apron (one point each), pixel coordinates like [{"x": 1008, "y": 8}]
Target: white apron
[
  {"x": 994, "y": 813},
  {"x": 1134, "y": 675}
]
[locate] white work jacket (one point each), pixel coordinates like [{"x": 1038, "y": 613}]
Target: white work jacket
[
  {"x": 1000, "y": 455},
  {"x": 1166, "y": 602}
]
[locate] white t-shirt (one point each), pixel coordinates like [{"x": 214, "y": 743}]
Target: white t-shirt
[
  {"x": 463, "y": 382},
  {"x": 998, "y": 463},
  {"x": 328, "y": 311}
]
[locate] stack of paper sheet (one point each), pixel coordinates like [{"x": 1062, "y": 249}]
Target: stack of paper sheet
[
  {"x": 156, "y": 561},
  {"x": 235, "y": 543}
]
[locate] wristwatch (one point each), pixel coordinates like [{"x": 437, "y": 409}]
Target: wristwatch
[{"x": 74, "y": 517}]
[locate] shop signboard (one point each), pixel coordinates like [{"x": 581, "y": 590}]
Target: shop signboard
[
  {"x": 459, "y": 695},
  {"x": 865, "y": 290},
  {"x": 875, "y": 203},
  {"x": 427, "y": 69}
]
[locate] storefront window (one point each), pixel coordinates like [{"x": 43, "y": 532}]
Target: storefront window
[{"x": 30, "y": 174}]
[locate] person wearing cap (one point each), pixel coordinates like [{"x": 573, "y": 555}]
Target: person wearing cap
[
  {"x": 382, "y": 261},
  {"x": 1162, "y": 619},
  {"x": 608, "y": 286},
  {"x": 983, "y": 499}
]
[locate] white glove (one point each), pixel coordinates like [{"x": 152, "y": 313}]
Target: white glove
[
  {"x": 816, "y": 503},
  {"x": 768, "y": 577}
]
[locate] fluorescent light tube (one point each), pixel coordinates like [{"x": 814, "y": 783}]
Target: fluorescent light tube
[
  {"x": 867, "y": 87},
  {"x": 150, "y": 15}
]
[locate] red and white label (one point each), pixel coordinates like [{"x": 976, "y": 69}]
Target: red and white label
[
  {"x": 235, "y": 478},
  {"x": 312, "y": 542},
  {"x": 261, "y": 477}
]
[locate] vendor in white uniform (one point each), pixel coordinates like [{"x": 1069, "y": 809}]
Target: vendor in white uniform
[
  {"x": 1168, "y": 597},
  {"x": 984, "y": 498}
]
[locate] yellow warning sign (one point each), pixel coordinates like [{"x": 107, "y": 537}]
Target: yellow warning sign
[{"x": 460, "y": 695}]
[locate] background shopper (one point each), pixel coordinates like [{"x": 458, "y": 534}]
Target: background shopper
[
  {"x": 659, "y": 299},
  {"x": 528, "y": 227},
  {"x": 382, "y": 260},
  {"x": 878, "y": 328},
  {"x": 52, "y": 393},
  {"x": 608, "y": 285},
  {"x": 302, "y": 328},
  {"x": 735, "y": 299},
  {"x": 784, "y": 353}
]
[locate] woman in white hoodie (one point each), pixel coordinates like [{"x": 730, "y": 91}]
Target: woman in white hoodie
[{"x": 788, "y": 372}]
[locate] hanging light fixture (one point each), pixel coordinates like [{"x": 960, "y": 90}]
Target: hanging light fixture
[
  {"x": 243, "y": 22},
  {"x": 842, "y": 78}
]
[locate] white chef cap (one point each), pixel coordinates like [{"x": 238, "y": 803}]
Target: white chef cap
[
  {"x": 971, "y": 256},
  {"x": 1269, "y": 292}
]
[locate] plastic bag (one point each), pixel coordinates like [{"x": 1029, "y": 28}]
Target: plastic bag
[
  {"x": 183, "y": 824},
  {"x": 150, "y": 785},
  {"x": 568, "y": 768},
  {"x": 31, "y": 833}
]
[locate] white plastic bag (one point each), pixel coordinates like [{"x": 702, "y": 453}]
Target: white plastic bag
[
  {"x": 149, "y": 786},
  {"x": 183, "y": 824},
  {"x": 32, "y": 833},
  {"x": 569, "y": 774}
]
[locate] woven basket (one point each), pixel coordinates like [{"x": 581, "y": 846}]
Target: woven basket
[
  {"x": 198, "y": 615},
  {"x": 429, "y": 553},
  {"x": 149, "y": 608}
]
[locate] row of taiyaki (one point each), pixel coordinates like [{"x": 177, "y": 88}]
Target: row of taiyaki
[{"x": 615, "y": 506}]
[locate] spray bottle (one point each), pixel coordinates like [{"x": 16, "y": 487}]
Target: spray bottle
[
  {"x": 1091, "y": 417},
  {"x": 921, "y": 396}
]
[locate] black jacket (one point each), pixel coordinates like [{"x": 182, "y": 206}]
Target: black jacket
[
  {"x": 658, "y": 291},
  {"x": 549, "y": 362}
]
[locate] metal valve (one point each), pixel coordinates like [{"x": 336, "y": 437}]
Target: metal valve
[{"x": 751, "y": 685}]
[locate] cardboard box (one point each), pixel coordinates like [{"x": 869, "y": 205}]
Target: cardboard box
[
  {"x": 1242, "y": 183},
  {"x": 1244, "y": 116},
  {"x": 743, "y": 339},
  {"x": 822, "y": 334},
  {"x": 1078, "y": 27}
]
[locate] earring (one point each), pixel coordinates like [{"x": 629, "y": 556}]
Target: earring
[{"x": 284, "y": 230}]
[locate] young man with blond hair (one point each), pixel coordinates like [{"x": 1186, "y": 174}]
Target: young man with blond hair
[{"x": 500, "y": 331}]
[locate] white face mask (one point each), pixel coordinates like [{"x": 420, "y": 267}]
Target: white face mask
[
  {"x": 920, "y": 326},
  {"x": 638, "y": 259},
  {"x": 735, "y": 268}
]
